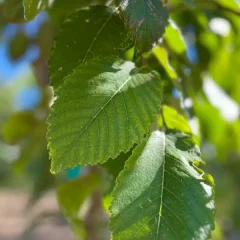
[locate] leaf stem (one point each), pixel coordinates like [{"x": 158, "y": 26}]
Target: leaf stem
[{"x": 154, "y": 126}]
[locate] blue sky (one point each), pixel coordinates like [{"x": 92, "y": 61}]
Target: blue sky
[{"x": 10, "y": 71}]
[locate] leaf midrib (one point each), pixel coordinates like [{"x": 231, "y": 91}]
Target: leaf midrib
[
  {"x": 95, "y": 116},
  {"x": 95, "y": 38},
  {"x": 163, "y": 172}
]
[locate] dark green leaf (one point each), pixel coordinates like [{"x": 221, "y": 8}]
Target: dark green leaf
[
  {"x": 88, "y": 34},
  {"x": 101, "y": 109},
  {"x": 115, "y": 166},
  {"x": 147, "y": 20},
  {"x": 60, "y": 10},
  {"x": 161, "y": 194}
]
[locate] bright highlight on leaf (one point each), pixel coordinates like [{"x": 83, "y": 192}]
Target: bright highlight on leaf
[
  {"x": 101, "y": 109},
  {"x": 147, "y": 20},
  {"x": 161, "y": 194}
]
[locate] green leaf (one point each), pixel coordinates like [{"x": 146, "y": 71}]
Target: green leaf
[
  {"x": 223, "y": 60},
  {"x": 115, "y": 166},
  {"x": 174, "y": 38},
  {"x": 57, "y": 9},
  {"x": 101, "y": 109},
  {"x": 72, "y": 196},
  {"x": 175, "y": 121},
  {"x": 162, "y": 56},
  {"x": 214, "y": 128},
  {"x": 161, "y": 194},
  {"x": 230, "y": 3},
  {"x": 60, "y": 10},
  {"x": 102, "y": 35},
  {"x": 147, "y": 20},
  {"x": 33, "y": 7}
]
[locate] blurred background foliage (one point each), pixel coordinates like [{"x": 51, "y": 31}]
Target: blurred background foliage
[{"x": 199, "y": 54}]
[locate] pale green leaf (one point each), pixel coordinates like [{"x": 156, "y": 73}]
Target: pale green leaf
[
  {"x": 106, "y": 202},
  {"x": 230, "y": 3},
  {"x": 174, "y": 38},
  {"x": 162, "y": 56},
  {"x": 146, "y": 19},
  {"x": 161, "y": 194},
  {"x": 101, "y": 109},
  {"x": 87, "y": 34},
  {"x": 224, "y": 60},
  {"x": 175, "y": 121}
]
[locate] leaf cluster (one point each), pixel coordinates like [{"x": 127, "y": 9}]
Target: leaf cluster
[{"x": 113, "y": 68}]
